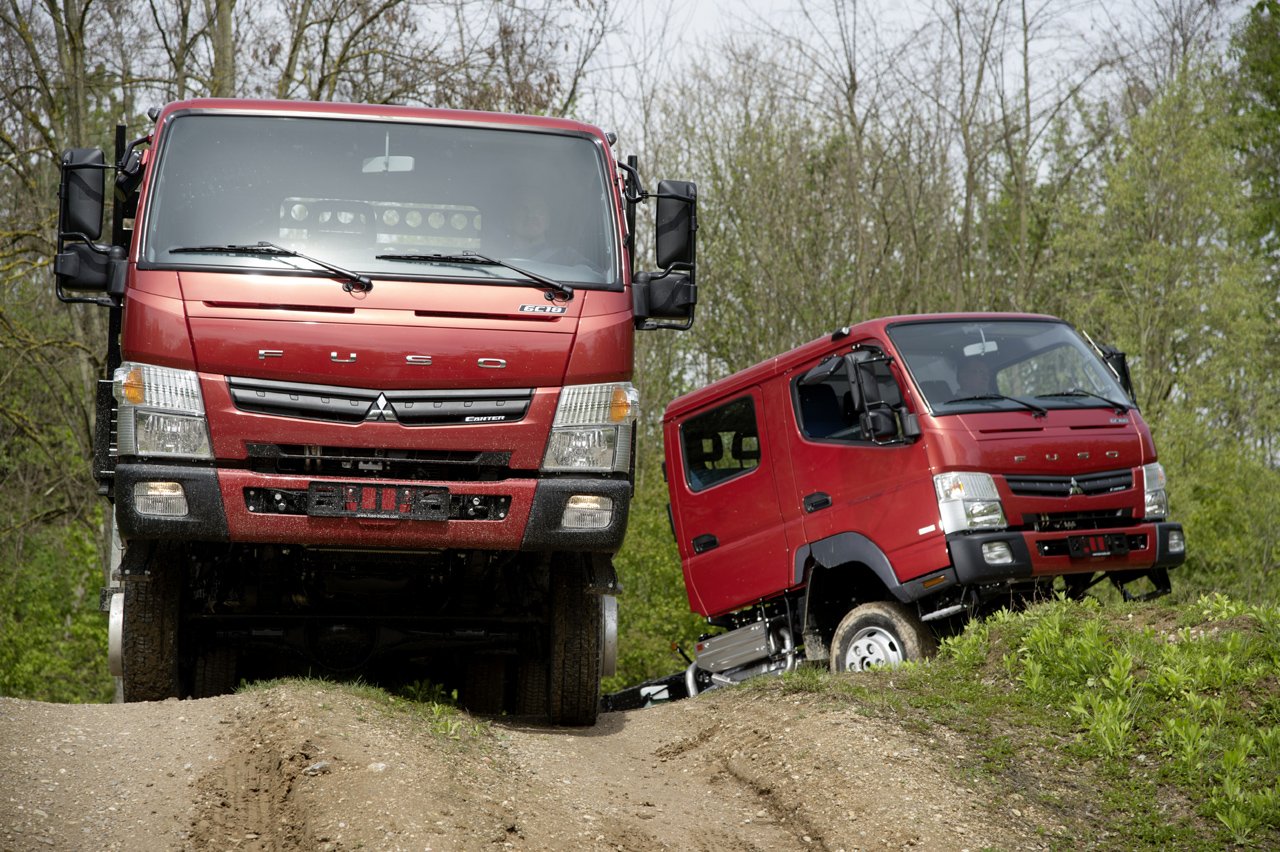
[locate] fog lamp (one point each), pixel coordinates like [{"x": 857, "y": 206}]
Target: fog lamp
[
  {"x": 160, "y": 498},
  {"x": 997, "y": 553},
  {"x": 1177, "y": 541},
  {"x": 587, "y": 512}
]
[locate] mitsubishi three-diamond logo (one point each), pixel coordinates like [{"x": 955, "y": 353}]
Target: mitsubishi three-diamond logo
[{"x": 381, "y": 410}]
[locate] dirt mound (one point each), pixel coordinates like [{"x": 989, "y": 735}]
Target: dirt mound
[{"x": 307, "y": 767}]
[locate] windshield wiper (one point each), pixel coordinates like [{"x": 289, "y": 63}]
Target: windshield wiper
[
  {"x": 350, "y": 280},
  {"x": 1037, "y": 410},
  {"x": 1120, "y": 407},
  {"x": 475, "y": 257}
]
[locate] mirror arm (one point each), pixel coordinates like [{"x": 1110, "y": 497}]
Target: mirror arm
[{"x": 633, "y": 190}]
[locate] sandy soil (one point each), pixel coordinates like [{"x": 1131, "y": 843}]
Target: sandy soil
[{"x": 300, "y": 768}]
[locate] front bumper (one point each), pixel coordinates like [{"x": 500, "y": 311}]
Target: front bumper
[
  {"x": 243, "y": 506},
  {"x": 1051, "y": 554}
]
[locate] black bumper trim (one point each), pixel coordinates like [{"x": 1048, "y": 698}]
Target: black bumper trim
[
  {"x": 544, "y": 532},
  {"x": 1165, "y": 559},
  {"x": 206, "y": 518},
  {"x": 971, "y": 567}
]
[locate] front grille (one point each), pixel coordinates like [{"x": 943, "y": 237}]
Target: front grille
[
  {"x": 409, "y": 465},
  {"x": 407, "y": 407},
  {"x": 1106, "y": 482},
  {"x": 1076, "y": 521}
]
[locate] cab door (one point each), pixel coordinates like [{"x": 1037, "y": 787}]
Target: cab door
[
  {"x": 858, "y": 463},
  {"x": 727, "y": 522}
]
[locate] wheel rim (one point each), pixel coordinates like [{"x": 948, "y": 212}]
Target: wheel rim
[{"x": 871, "y": 647}]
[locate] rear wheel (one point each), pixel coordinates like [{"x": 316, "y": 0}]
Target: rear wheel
[
  {"x": 215, "y": 672},
  {"x": 879, "y": 634},
  {"x": 576, "y": 645},
  {"x": 531, "y": 686},
  {"x": 149, "y": 635}
]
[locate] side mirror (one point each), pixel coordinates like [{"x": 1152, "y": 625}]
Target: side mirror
[
  {"x": 879, "y": 424},
  {"x": 81, "y": 198},
  {"x": 82, "y": 264},
  {"x": 676, "y": 223},
  {"x": 663, "y": 301}
]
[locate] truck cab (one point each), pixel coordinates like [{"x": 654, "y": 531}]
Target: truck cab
[
  {"x": 851, "y": 499},
  {"x": 368, "y": 397}
]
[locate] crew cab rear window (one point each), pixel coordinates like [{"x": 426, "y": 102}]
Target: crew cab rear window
[{"x": 720, "y": 444}]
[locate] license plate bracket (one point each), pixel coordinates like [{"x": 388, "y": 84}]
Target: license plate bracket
[
  {"x": 377, "y": 501},
  {"x": 1097, "y": 546}
]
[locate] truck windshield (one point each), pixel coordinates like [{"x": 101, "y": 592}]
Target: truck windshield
[
  {"x": 964, "y": 366},
  {"x": 382, "y": 198}
]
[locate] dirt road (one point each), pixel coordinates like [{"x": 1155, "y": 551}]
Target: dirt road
[{"x": 300, "y": 767}]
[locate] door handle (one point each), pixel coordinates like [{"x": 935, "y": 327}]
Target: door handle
[
  {"x": 817, "y": 500},
  {"x": 705, "y": 542}
]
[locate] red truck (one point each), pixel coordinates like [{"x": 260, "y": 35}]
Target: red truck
[
  {"x": 367, "y": 402},
  {"x": 849, "y": 500}
]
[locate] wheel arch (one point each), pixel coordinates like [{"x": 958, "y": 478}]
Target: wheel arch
[{"x": 837, "y": 572}]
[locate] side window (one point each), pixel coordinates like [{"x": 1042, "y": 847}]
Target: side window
[
  {"x": 721, "y": 444},
  {"x": 836, "y": 409}
]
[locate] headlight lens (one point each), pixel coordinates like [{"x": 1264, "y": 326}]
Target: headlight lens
[
  {"x": 161, "y": 412},
  {"x": 968, "y": 501},
  {"x": 1156, "y": 498},
  {"x": 592, "y": 428}
]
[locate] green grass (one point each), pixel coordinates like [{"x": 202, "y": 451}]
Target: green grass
[
  {"x": 1171, "y": 712},
  {"x": 427, "y": 705}
]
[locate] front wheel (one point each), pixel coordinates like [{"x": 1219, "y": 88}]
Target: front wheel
[
  {"x": 576, "y": 637},
  {"x": 879, "y": 634},
  {"x": 152, "y": 590}
]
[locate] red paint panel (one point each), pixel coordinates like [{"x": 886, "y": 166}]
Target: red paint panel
[
  {"x": 155, "y": 331},
  {"x": 358, "y": 355}
]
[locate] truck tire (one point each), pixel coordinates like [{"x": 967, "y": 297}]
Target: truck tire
[
  {"x": 882, "y": 633},
  {"x": 531, "y": 686},
  {"x": 576, "y": 640},
  {"x": 215, "y": 672},
  {"x": 149, "y": 640}
]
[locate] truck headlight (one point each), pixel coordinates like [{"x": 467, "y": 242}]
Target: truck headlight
[
  {"x": 161, "y": 412},
  {"x": 968, "y": 501},
  {"x": 592, "y": 429},
  {"x": 1155, "y": 497}
]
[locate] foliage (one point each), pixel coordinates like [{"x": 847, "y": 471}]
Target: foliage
[
  {"x": 52, "y": 642},
  {"x": 653, "y": 610},
  {"x": 1159, "y": 705},
  {"x": 1257, "y": 102},
  {"x": 1128, "y": 187}
]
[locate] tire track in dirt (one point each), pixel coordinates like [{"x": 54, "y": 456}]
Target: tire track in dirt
[
  {"x": 247, "y": 802},
  {"x": 639, "y": 781},
  {"x": 302, "y": 767}
]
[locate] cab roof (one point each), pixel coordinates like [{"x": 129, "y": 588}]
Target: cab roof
[
  {"x": 389, "y": 112},
  {"x": 779, "y": 364}
]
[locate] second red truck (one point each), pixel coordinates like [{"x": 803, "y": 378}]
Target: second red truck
[{"x": 849, "y": 500}]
